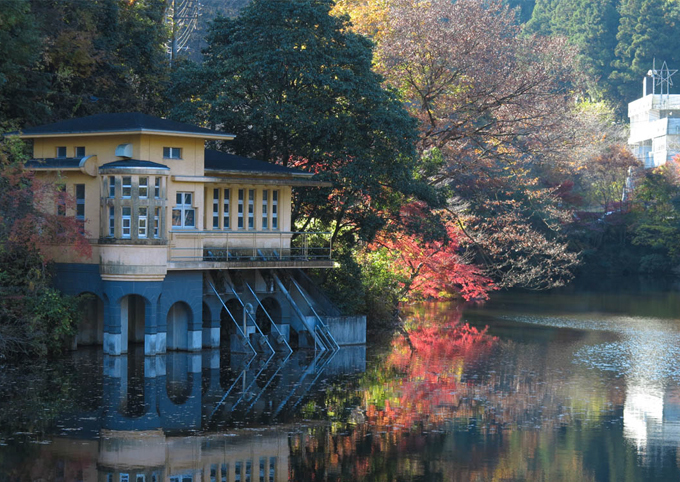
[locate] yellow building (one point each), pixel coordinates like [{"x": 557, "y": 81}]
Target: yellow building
[{"x": 183, "y": 238}]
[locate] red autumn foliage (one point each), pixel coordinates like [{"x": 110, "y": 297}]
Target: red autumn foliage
[
  {"x": 432, "y": 358},
  {"x": 32, "y": 212},
  {"x": 431, "y": 269}
]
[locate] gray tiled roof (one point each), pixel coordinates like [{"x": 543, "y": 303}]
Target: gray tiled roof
[
  {"x": 128, "y": 163},
  {"x": 222, "y": 161},
  {"x": 54, "y": 163},
  {"x": 121, "y": 122}
]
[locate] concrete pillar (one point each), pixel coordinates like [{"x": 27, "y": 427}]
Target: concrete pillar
[
  {"x": 112, "y": 327},
  {"x": 211, "y": 328}
]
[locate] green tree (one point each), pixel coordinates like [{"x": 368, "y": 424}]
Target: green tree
[
  {"x": 297, "y": 88},
  {"x": 19, "y": 51},
  {"x": 591, "y": 26},
  {"x": 34, "y": 318},
  {"x": 647, "y": 30},
  {"x": 63, "y": 59}
]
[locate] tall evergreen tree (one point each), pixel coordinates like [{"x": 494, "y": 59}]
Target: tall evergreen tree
[
  {"x": 297, "y": 88},
  {"x": 591, "y": 25},
  {"x": 647, "y": 30}
]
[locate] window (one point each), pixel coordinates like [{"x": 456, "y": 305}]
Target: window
[
  {"x": 112, "y": 221},
  {"x": 251, "y": 208},
  {"x": 157, "y": 223},
  {"x": 157, "y": 188},
  {"x": 80, "y": 204},
  {"x": 124, "y": 477},
  {"x": 80, "y": 151},
  {"x": 142, "y": 222},
  {"x": 141, "y": 478},
  {"x": 265, "y": 199},
  {"x": 224, "y": 472},
  {"x": 61, "y": 151},
  {"x": 183, "y": 214},
  {"x": 112, "y": 186},
  {"x": 127, "y": 186},
  {"x": 172, "y": 152},
  {"x": 216, "y": 209},
  {"x": 127, "y": 222},
  {"x": 61, "y": 200},
  {"x": 225, "y": 209},
  {"x": 240, "y": 209},
  {"x": 143, "y": 187},
  {"x": 275, "y": 209}
]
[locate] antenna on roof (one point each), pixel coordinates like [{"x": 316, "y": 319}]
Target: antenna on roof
[{"x": 662, "y": 78}]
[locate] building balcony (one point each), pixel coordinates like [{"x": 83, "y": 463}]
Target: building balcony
[
  {"x": 190, "y": 250},
  {"x": 642, "y": 131}
]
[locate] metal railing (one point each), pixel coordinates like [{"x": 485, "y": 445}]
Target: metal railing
[{"x": 227, "y": 246}]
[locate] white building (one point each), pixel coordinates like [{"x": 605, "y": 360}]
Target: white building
[{"x": 655, "y": 120}]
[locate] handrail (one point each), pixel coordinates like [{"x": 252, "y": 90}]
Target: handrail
[
  {"x": 231, "y": 316},
  {"x": 251, "y": 317},
  {"x": 325, "y": 331},
  {"x": 270, "y": 318},
  {"x": 299, "y": 313}
]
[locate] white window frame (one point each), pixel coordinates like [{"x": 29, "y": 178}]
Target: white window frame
[
  {"x": 172, "y": 153},
  {"x": 80, "y": 202},
  {"x": 251, "y": 208},
  {"x": 185, "y": 210},
  {"x": 216, "y": 209},
  {"x": 143, "y": 186},
  {"x": 82, "y": 151},
  {"x": 241, "y": 195},
  {"x": 142, "y": 222},
  {"x": 226, "y": 206},
  {"x": 60, "y": 152},
  {"x": 126, "y": 222},
  {"x": 157, "y": 188},
  {"x": 265, "y": 210},
  {"x": 112, "y": 186},
  {"x": 157, "y": 222},
  {"x": 112, "y": 221},
  {"x": 275, "y": 209},
  {"x": 126, "y": 184}
]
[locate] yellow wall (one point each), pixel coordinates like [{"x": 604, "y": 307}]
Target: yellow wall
[{"x": 115, "y": 257}]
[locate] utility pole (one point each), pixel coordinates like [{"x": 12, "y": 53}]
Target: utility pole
[{"x": 183, "y": 18}]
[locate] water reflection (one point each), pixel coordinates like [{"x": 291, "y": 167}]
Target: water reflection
[{"x": 563, "y": 392}]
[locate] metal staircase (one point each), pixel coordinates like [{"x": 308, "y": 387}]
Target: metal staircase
[
  {"x": 239, "y": 331},
  {"x": 323, "y": 339}
]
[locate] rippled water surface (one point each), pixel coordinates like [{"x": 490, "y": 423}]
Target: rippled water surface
[{"x": 559, "y": 387}]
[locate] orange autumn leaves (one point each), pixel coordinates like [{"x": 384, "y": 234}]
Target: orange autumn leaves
[{"x": 431, "y": 361}]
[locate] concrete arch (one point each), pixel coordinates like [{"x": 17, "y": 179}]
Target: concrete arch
[
  {"x": 180, "y": 317},
  {"x": 133, "y": 311},
  {"x": 179, "y": 381},
  {"x": 91, "y": 323}
]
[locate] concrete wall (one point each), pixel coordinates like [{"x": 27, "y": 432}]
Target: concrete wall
[{"x": 347, "y": 330}]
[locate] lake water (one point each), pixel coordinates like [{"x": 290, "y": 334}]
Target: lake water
[{"x": 559, "y": 387}]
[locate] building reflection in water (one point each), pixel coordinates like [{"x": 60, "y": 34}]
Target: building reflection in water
[
  {"x": 181, "y": 417},
  {"x": 651, "y": 413}
]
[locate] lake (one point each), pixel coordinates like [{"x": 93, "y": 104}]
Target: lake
[{"x": 565, "y": 386}]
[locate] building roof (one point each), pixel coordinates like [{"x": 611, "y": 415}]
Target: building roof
[
  {"x": 129, "y": 122},
  {"x": 222, "y": 161},
  {"x": 133, "y": 163},
  {"x": 54, "y": 163}
]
